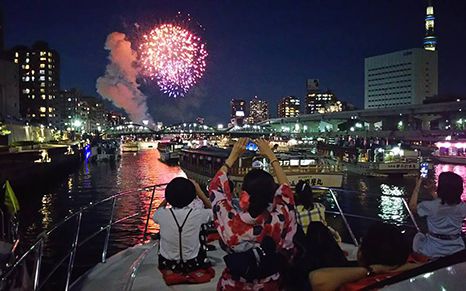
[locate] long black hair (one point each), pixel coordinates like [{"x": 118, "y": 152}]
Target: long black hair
[
  {"x": 304, "y": 195},
  {"x": 450, "y": 188},
  {"x": 261, "y": 188}
]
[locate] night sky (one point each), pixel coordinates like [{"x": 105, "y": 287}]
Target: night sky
[{"x": 263, "y": 48}]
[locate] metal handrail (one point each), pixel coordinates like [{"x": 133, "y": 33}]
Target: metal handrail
[
  {"x": 343, "y": 215},
  {"x": 36, "y": 249}
]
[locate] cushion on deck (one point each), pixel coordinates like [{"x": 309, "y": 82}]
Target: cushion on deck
[{"x": 194, "y": 277}]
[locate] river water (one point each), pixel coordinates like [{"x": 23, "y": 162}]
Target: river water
[{"x": 45, "y": 205}]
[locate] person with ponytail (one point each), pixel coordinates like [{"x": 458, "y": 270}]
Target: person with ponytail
[
  {"x": 259, "y": 235},
  {"x": 307, "y": 210}
]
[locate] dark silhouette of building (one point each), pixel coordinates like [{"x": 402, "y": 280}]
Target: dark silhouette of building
[
  {"x": 288, "y": 107},
  {"x": 9, "y": 90},
  {"x": 238, "y": 111},
  {"x": 258, "y": 110}
]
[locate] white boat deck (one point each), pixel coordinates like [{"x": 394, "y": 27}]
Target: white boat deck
[{"x": 116, "y": 273}]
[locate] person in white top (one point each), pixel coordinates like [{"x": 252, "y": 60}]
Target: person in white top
[{"x": 180, "y": 226}]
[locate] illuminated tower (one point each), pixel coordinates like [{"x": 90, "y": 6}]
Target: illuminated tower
[{"x": 430, "y": 40}]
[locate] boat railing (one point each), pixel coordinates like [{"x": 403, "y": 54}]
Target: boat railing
[
  {"x": 33, "y": 257},
  {"x": 333, "y": 193}
]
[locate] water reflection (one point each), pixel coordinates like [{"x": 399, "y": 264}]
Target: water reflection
[
  {"x": 46, "y": 210},
  {"x": 392, "y": 208}
]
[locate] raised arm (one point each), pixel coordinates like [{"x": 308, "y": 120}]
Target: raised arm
[
  {"x": 201, "y": 195},
  {"x": 415, "y": 195},
  {"x": 238, "y": 149},
  {"x": 266, "y": 151}
]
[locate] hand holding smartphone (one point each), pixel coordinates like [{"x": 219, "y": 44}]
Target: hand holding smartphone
[
  {"x": 424, "y": 170},
  {"x": 251, "y": 146}
]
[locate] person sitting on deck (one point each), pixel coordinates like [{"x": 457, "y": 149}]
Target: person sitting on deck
[
  {"x": 180, "y": 227},
  {"x": 445, "y": 215},
  {"x": 383, "y": 253},
  {"x": 308, "y": 210},
  {"x": 266, "y": 220}
]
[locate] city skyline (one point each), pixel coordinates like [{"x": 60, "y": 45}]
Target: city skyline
[{"x": 271, "y": 58}]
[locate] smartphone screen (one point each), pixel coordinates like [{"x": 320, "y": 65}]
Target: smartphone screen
[
  {"x": 251, "y": 146},
  {"x": 424, "y": 170}
]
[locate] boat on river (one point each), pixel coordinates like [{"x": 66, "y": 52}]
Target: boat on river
[
  {"x": 377, "y": 161},
  {"x": 105, "y": 150},
  {"x": 135, "y": 268},
  {"x": 202, "y": 163},
  {"x": 450, "y": 152},
  {"x": 170, "y": 151},
  {"x": 129, "y": 146}
]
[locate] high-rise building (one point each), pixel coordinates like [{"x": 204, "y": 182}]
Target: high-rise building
[
  {"x": 67, "y": 108},
  {"x": 9, "y": 90},
  {"x": 238, "y": 111},
  {"x": 322, "y": 102},
  {"x": 39, "y": 81},
  {"x": 258, "y": 110},
  {"x": 400, "y": 78},
  {"x": 288, "y": 107},
  {"x": 430, "y": 40},
  {"x": 92, "y": 113}
]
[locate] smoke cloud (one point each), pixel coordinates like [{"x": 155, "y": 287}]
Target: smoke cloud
[{"x": 119, "y": 83}]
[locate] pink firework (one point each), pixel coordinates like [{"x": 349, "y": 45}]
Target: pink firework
[{"x": 174, "y": 57}]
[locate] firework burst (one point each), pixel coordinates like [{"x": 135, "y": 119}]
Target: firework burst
[{"x": 174, "y": 57}]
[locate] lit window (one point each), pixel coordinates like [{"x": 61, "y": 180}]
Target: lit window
[
  {"x": 42, "y": 78},
  {"x": 42, "y": 84},
  {"x": 42, "y": 115},
  {"x": 33, "y": 97},
  {"x": 42, "y": 96},
  {"x": 43, "y": 59},
  {"x": 43, "y": 53},
  {"x": 16, "y": 61},
  {"x": 50, "y": 54},
  {"x": 69, "y": 99},
  {"x": 42, "y": 90},
  {"x": 16, "y": 54},
  {"x": 33, "y": 115},
  {"x": 50, "y": 109},
  {"x": 42, "y": 66},
  {"x": 42, "y": 72},
  {"x": 42, "y": 109},
  {"x": 27, "y": 60}
]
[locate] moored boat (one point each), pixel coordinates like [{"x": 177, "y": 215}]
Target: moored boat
[
  {"x": 201, "y": 164},
  {"x": 379, "y": 161},
  {"x": 169, "y": 151},
  {"x": 450, "y": 152}
]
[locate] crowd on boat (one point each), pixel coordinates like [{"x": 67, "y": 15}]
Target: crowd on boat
[{"x": 277, "y": 238}]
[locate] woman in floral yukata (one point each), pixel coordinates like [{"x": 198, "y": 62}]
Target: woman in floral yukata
[{"x": 267, "y": 210}]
